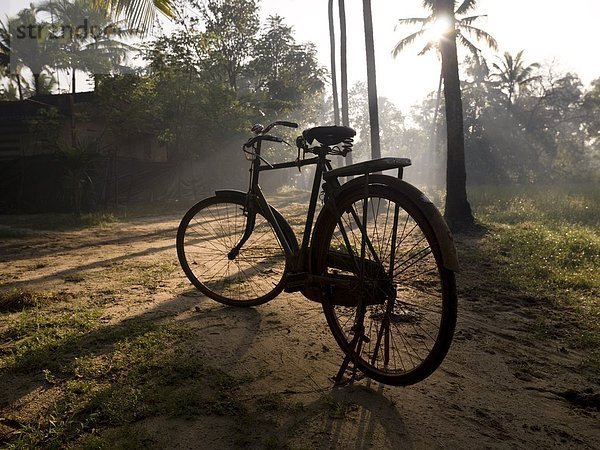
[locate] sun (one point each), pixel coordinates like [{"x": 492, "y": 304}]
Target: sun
[{"x": 439, "y": 28}]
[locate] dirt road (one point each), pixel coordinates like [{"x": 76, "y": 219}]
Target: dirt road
[{"x": 503, "y": 385}]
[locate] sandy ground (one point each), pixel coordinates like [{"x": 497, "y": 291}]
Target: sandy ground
[{"x": 499, "y": 387}]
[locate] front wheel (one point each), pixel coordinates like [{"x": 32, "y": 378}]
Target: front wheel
[
  {"x": 209, "y": 232},
  {"x": 395, "y": 316}
]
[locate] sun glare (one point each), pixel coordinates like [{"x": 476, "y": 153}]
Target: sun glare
[{"x": 438, "y": 28}]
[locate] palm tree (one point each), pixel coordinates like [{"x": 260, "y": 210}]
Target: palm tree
[
  {"x": 431, "y": 29},
  {"x": 139, "y": 13},
  {"x": 371, "y": 81},
  {"x": 513, "y": 75},
  {"x": 27, "y": 48},
  {"x": 457, "y": 211},
  {"x": 93, "y": 50}
]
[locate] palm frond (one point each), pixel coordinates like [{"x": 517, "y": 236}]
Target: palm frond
[
  {"x": 481, "y": 35},
  {"x": 470, "y": 19},
  {"x": 401, "y": 45},
  {"x": 465, "y": 7},
  {"x": 428, "y": 4},
  {"x": 413, "y": 21},
  {"x": 468, "y": 44},
  {"x": 139, "y": 13},
  {"x": 429, "y": 46}
]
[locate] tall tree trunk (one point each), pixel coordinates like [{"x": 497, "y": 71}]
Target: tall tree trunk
[
  {"x": 430, "y": 159},
  {"x": 343, "y": 64},
  {"x": 36, "y": 83},
  {"x": 336, "y": 107},
  {"x": 72, "y": 109},
  {"x": 19, "y": 86},
  {"x": 457, "y": 210},
  {"x": 73, "y": 72},
  {"x": 371, "y": 81},
  {"x": 344, "y": 71}
]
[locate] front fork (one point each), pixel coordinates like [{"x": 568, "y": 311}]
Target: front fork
[
  {"x": 250, "y": 222},
  {"x": 254, "y": 203}
]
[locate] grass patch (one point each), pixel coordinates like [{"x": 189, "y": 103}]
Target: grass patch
[
  {"x": 38, "y": 338},
  {"x": 22, "y": 225},
  {"x": 75, "y": 277},
  {"x": 18, "y": 299},
  {"x": 122, "y": 374},
  {"x": 547, "y": 241},
  {"x": 565, "y": 204},
  {"x": 8, "y": 232},
  {"x": 338, "y": 408},
  {"x": 151, "y": 276}
]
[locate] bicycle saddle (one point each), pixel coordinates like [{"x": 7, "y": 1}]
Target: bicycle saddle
[{"x": 328, "y": 135}]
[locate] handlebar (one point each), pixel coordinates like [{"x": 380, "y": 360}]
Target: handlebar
[
  {"x": 280, "y": 122},
  {"x": 262, "y": 137},
  {"x": 262, "y": 132}
]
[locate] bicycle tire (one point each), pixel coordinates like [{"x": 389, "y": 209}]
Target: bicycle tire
[
  {"x": 410, "y": 312},
  {"x": 206, "y": 234}
]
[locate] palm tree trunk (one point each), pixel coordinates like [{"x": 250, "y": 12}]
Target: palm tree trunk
[
  {"x": 344, "y": 71},
  {"x": 371, "y": 81},
  {"x": 343, "y": 64},
  {"x": 336, "y": 107},
  {"x": 457, "y": 211},
  {"x": 430, "y": 166}
]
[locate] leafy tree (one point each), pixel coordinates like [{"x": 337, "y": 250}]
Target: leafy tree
[
  {"x": 513, "y": 76},
  {"x": 231, "y": 28},
  {"x": 391, "y": 121},
  {"x": 591, "y": 106},
  {"x": 283, "y": 73},
  {"x": 9, "y": 92},
  {"x": 543, "y": 136}
]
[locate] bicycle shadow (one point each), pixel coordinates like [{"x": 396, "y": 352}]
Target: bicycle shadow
[{"x": 356, "y": 416}]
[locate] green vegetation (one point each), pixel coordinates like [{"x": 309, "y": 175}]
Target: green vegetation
[
  {"x": 106, "y": 376},
  {"x": 151, "y": 275},
  {"x": 17, "y": 299},
  {"x": 25, "y": 225},
  {"x": 547, "y": 240},
  {"x": 98, "y": 380}
]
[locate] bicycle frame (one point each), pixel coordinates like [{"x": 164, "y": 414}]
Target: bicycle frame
[
  {"x": 255, "y": 194},
  {"x": 299, "y": 260}
]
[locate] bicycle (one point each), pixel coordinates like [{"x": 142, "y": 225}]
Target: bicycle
[{"x": 379, "y": 257}]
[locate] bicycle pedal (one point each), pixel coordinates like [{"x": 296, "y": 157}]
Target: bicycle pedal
[{"x": 295, "y": 282}]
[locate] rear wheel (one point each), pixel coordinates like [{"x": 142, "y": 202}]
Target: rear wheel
[
  {"x": 395, "y": 315},
  {"x": 206, "y": 236}
]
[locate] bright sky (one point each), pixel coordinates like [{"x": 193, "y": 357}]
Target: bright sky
[
  {"x": 551, "y": 30},
  {"x": 567, "y": 32}
]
